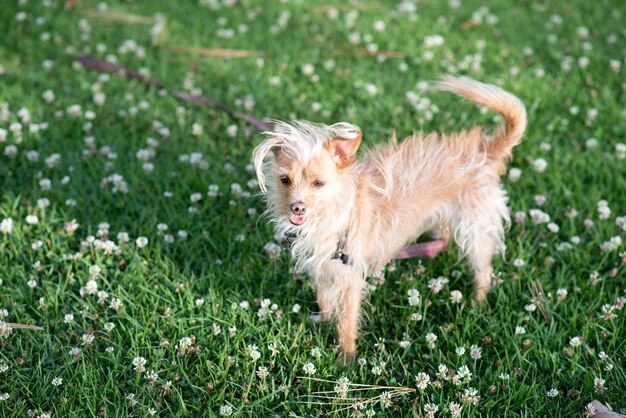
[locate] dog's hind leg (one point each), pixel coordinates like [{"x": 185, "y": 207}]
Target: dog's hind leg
[{"x": 480, "y": 237}]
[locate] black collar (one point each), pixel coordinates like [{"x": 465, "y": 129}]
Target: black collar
[{"x": 339, "y": 254}]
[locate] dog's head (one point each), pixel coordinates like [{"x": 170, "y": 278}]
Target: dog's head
[{"x": 303, "y": 176}]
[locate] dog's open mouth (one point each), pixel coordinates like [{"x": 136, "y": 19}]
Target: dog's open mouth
[{"x": 296, "y": 219}]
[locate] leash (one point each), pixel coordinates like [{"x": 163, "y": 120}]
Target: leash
[{"x": 423, "y": 249}]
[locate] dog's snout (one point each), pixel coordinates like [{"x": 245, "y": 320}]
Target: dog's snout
[{"x": 298, "y": 208}]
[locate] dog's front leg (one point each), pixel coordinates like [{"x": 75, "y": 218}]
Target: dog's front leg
[
  {"x": 339, "y": 294},
  {"x": 348, "y": 314},
  {"x": 349, "y": 285}
]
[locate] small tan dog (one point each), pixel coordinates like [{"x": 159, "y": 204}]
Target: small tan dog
[{"x": 348, "y": 218}]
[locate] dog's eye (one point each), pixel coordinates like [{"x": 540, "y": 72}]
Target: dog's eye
[
  {"x": 318, "y": 183},
  {"x": 285, "y": 180}
]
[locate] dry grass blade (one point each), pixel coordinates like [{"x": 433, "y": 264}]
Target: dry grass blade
[
  {"x": 23, "y": 326},
  {"x": 365, "y": 386},
  {"x": 540, "y": 299},
  {"x": 70, "y": 4},
  {"x": 215, "y": 52},
  {"x": 109, "y": 67},
  {"x": 339, "y": 398},
  {"x": 469, "y": 24},
  {"x": 401, "y": 389},
  {"x": 367, "y": 53},
  {"x": 117, "y": 16}
]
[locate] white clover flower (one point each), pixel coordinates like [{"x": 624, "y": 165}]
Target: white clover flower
[
  {"x": 456, "y": 296},
  {"x": 442, "y": 372},
  {"x": 53, "y": 160},
  {"x": 598, "y": 385},
  {"x": 430, "y": 339},
  {"x": 371, "y": 89},
  {"x": 6, "y": 226},
  {"x": 262, "y": 372},
  {"x": 475, "y": 352},
  {"x": 91, "y": 287},
  {"x": 433, "y": 41},
  {"x": 308, "y": 69},
  {"x": 253, "y": 352},
  {"x": 404, "y": 343},
  {"x": 514, "y": 174},
  {"x": 272, "y": 250},
  {"x": 309, "y": 369},
  {"x": 422, "y": 380},
  {"x": 139, "y": 363},
  {"x": 226, "y": 410},
  {"x": 115, "y": 304},
  {"x": 470, "y": 396},
  {"x": 232, "y": 130},
  {"x": 575, "y": 341},
  {"x": 413, "y": 297},
  {"x": 57, "y": 381},
  {"x": 10, "y": 151},
  {"x": 455, "y": 409},
  {"x": 88, "y": 339},
  {"x": 32, "y": 220},
  {"x": 539, "y": 165},
  {"x": 379, "y": 26},
  {"x": 538, "y": 216},
  {"x": 437, "y": 285},
  {"x": 141, "y": 242},
  {"x": 99, "y": 98},
  {"x": 531, "y": 307},
  {"x": 152, "y": 376}
]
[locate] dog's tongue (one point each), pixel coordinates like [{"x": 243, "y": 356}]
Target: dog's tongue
[{"x": 296, "y": 220}]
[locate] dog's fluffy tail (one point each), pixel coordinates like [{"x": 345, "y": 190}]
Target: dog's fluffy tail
[{"x": 510, "y": 133}]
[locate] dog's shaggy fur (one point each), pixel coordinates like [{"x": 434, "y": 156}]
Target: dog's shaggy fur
[{"x": 373, "y": 207}]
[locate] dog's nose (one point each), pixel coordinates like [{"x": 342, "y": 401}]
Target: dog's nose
[{"x": 298, "y": 208}]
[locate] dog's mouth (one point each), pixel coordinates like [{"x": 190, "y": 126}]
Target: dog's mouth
[{"x": 297, "y": 219}]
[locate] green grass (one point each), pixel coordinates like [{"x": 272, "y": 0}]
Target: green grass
[{"x": 222, "y": 261}]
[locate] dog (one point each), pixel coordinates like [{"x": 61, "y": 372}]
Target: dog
[{"x": 347, "y": 217}]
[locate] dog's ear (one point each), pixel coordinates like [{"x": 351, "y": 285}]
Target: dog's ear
[
  {"x": 258, "y": 156},
  {"x": 344, "y": 149},
  {"x": 276, "y": 150}
]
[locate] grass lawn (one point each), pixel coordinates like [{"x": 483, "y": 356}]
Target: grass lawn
[{"x": 131, "y": 230}]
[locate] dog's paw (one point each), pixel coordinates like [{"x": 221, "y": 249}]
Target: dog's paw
[{"x": 345, "y": 358}]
